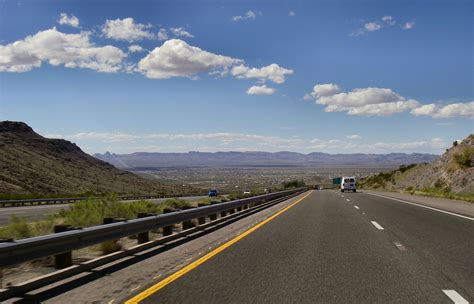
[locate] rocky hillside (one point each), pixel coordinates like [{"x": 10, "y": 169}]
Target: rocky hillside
[
  {"x": 34, "y": 165},
  {"x": 452, "y": 174}
]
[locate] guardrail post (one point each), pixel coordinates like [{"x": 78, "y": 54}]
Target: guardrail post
[
  {"x": 201, "y": 220},
  {"x": 213, "y": 217},
  {"x": 167, "y": 230},
  {"x": 144, "y": 236},
  {"x": 187, "y": 224},
  {"x": 63, "y": 260},
  {"x": 223, "y": 213},
  {"x": 239, "y": 208},
  {"x": 1, "y": 270}
]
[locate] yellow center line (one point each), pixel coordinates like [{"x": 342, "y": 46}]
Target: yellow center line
[{"x": 153, "y": 289}]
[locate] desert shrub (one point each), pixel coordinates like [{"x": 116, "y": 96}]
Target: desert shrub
[
  {"x": 110, "y": 247},
  {"x": 294, "y": 184},
  {"x": 455, "y": 143},
  {"x": 465, "y": 158}
]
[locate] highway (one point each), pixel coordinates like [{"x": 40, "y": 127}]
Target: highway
[
  {"x": 323, "y": 247},
  {"x": 41, "y": 211}
]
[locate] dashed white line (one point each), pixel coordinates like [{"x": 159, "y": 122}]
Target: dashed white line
[
  {"x": 400, "y": 246},
  {"x": 423, "y": 206},
  {"x": 377, "y": 225},
  {"x": 455, "y": 297},
  {"x": 348, "y": 200},
  {"x": 357, "y": 207}
]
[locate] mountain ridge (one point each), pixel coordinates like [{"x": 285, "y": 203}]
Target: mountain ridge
[
  {"x": 31, "y": 164},
  {"x": 255, "y": 158}
]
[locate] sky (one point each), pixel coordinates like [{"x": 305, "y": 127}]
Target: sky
[{"x": 304, "y": 76}]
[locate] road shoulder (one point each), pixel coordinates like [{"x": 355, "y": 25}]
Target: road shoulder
[{"x": 455, "y": 206}]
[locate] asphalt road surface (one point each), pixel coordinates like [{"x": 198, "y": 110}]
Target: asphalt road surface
[
  {"x": 337, "y": 248},
  {"x": 39, "y": 212}
]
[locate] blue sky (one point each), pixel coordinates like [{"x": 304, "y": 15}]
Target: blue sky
[{"x": 173, "y": 76}]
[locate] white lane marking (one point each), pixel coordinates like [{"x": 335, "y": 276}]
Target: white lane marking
[
  {"x": 423, "y": 206},
  {"x": 357, "y": 207},
  {"x": 377, "y": 225},
  {"x": 400, "y": 246},
  {"x": 455, "y": 297},
  {"x": 342, "y": 195},
  {"x": 348, "y": 200}
]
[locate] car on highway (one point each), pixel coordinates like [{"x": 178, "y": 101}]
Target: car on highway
[
  {"x": 247, "y": 192},
  {"x": 348, "y": 183},
  {"x": 213, "y": 193}
]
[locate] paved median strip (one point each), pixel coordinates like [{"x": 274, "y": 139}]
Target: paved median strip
[
  {"x": 377, "y": 225},
  {"x": 153, "y": 289},
  {"x": 455, "y": 296}
]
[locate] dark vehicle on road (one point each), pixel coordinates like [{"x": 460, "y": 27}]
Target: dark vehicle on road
[{"x": 213, "y": 193}]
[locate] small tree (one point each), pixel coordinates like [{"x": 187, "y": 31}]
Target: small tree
[{"x": 455, "y": 143}]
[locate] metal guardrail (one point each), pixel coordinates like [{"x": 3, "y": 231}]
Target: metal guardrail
[
  {"x": 52, "y": 201},
  {"x": 25, "y": 250}
]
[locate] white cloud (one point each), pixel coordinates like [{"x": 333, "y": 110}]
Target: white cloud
[
  {"x": 72, "y": 20},
  {"x": 354, "y": 136},
  {"x": 162, "y": 34},
  {"x": 326, "y": 89},
  {"x": 126, "y": 30},
  {"x": 291, "y": 13},
  {"x": 175, "y": 142},
  {"x": 56, "y": 48},
  {"x": 408, "y": 25},
  {"x": 176, "y": 58},
  {"x": 364, "y": 101},
  {"x": 372, "y": 26},
  {"x": 271, "y": 72},
  {"x": 248, "y": 15},
  {"x": 179, "y": 31},
  {"x": 448, "y": 111},
  {"x": 135, "y": 48},
  {"x": 260, "y": 90},
  {"x": 388, "y": 20}
]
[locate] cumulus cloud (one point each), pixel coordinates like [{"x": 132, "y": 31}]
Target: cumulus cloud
[
  {"x": 408, "y": 25},
  {"x": 179, "y": 31},
  {"x": 384, "y": 22},
  {"x": 388, "y": 20},
  {"x": 260, "y": 90},
  {"x": 248, "y": 15},
  {"x": 126, "y": 30},
  {"x": 465, "y": 110},
  {"x": 72, "y": 20},
  {"x": 321, "y": 90},
  {"x": 176, "y": 58},
  {"x": 135, "y": 48},
  {"x": 354, "y": 136},
  {"x": 162, "y": 34},
  {"x": 372, "y": 26},
  {"x": 364, "y": 101},
  {"x": 271, "y": 72},
  {"x": 291, "y": 13},
  {"x": 57, "y": 48}
]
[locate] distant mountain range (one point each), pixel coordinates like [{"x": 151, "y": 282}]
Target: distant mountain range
[{"x": 145, "y": 161}]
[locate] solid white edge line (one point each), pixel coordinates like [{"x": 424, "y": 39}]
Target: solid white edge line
[
  {"x": 455, "y": 296},
  {"x": 423, "y": 206},
  {"x": 377, "y": 225}
]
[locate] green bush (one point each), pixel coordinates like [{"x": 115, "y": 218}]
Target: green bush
[
  {"x": 464, "y": 159},
  {"x": 294, "y": 184}
]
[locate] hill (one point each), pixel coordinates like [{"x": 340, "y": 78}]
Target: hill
[
  {"x": 451, "y": 175},
  {"x": 33, "y": 165},
  {"x": 143, "y": 161}
]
